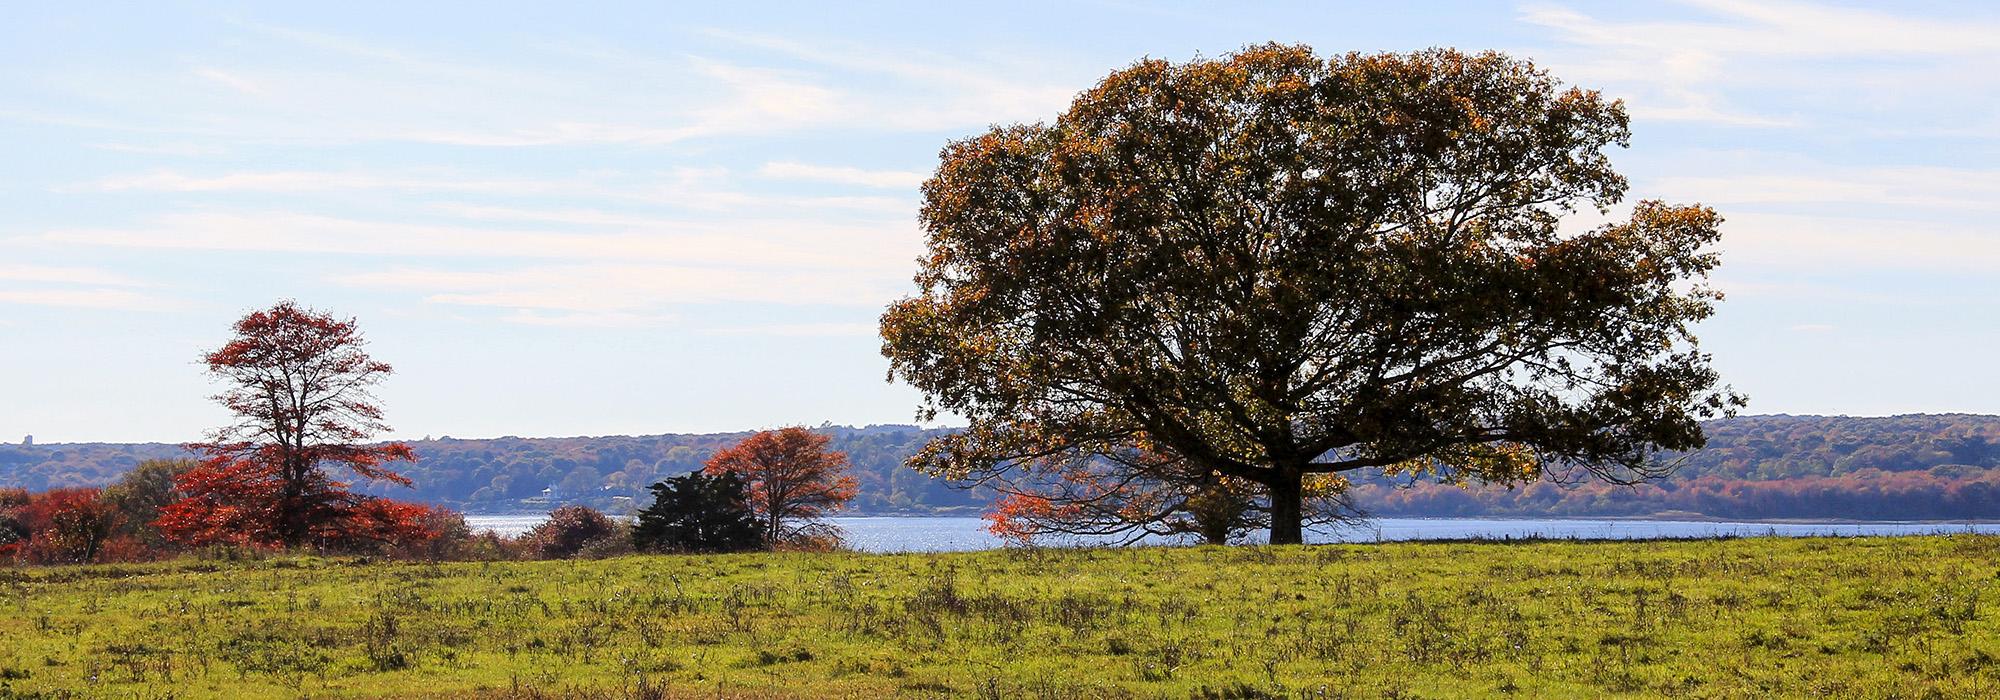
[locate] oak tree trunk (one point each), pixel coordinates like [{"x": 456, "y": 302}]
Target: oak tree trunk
[{"x": 1287, "y": 496}]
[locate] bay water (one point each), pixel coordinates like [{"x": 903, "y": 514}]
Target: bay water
[{"x": 952, "y": 534}]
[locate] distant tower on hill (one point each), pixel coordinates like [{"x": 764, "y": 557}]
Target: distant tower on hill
[{"x": 28, "y": 441}]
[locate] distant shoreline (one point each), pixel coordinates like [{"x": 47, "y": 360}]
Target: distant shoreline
[{"x": 1656, "y": 518}]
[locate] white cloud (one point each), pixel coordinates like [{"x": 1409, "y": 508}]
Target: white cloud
[
  {"x": 66, "y": 275},
  {"x": 1817, "y": 241},
  {"x": 189, "y": 150},
  {"x": 1809, "y": 29},
  {"x": 749, "y": 242},
  {"x": 1709, "y": 69},
  {"x": 279, "y": 85},
  {"x": 941, "y": 91},
  {"x": 1776, "y": 28},
  {"x": 799, "y": 329},
  {"x": 533, "y": 317},
  {"x": 841, "y": 175},
  {"x": 320, "y": 181},
  {"x": 294, "y": 87},
  {"x": 1878, "y": 239},
  {"x": 900, "y": 179},
  {"x": 694, "y": 189},
  {"x": 108, "y": 299},
  {"x": 627, "y": 291},
  {"x": 232, "y": 80},
  {"x": 1811, "y": 328},
  {"x": 733, "y": 101},
  {"x": 1902, "y": 187},
  {"x": 77, "y": 287}
]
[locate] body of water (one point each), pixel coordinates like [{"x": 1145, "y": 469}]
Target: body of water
[{"x": 927, "y": 534}]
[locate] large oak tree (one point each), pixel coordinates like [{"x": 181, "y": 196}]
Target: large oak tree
[{"x": 1277, "y": 265}]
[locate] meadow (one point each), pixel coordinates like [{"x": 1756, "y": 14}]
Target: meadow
[{"x": 1907, "y": 617}]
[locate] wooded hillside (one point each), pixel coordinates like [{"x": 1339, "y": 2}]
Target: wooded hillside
[{"x": 1900, "y": 467}]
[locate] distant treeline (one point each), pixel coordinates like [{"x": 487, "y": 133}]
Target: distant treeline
[
  {"x": 1901, "y": 467},
  {"x": 1943, "y": 493},
  {"x": 1944, "y": 466},
  {"x": 513, "y": 474}
]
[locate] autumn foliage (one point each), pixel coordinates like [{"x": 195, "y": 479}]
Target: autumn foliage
[
  {"x": 298, "y": 383},
  {"x": 1283, "y": 266},
  {"x": 793, "y": 480},
  {"x": 59, "y": 526}
]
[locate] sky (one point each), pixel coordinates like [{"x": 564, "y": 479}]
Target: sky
[{"x": 596, "y": 218}]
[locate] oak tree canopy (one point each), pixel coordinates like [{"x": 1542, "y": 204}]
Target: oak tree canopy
[{"x": 1276, "y": 265}]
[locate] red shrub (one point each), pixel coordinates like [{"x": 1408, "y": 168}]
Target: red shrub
[{"x": 64, "y": 526}]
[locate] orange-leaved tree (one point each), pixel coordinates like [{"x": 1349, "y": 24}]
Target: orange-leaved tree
[
  {"x": 299, "y": 384},
  {"x": 793, "y": 479}
]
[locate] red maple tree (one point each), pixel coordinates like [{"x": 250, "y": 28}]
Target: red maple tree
[
  {"x": 793, "y": 480},
  {"x": 299, "y": 385},
  {"x": 63, "y": 526}
]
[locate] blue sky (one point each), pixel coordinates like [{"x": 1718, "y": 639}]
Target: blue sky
[{"x": 590, "y": 219}]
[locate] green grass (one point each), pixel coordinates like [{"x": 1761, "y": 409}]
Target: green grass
[{"x": 1874, "y": 617}]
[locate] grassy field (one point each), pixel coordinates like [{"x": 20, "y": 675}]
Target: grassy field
[{"x": 1875, "y": 617}]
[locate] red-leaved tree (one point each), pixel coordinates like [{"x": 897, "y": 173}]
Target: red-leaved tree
[
  {"x": 793, "y": 479},
  {"x": 65, "y": 526},
  {"x": 299, "y": 384}
]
